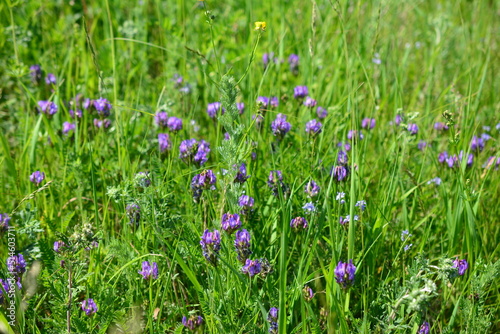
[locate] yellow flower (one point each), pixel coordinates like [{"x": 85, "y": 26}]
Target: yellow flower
[{"x": 260, "y": 26}]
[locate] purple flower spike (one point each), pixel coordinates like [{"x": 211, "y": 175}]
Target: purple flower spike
[
  {"x": 413, "y": 128},
  {"x": 280, "y": 126},
  {"x": 274, "y": 102},
  {"x": 67, "y": 127},
  {"x": 344, "y": 274},
  {"x": 204, "y": 180},
  {"x": 361, "y": 205},
  {"x": 275, "y": 182},
  {"x": 422, "y": 145},
  {"x": 308, "y": 293},
  {"x": 266, "y": 58},
  {"x": 103, "y": 107},
  {"x": 242, "y": 245},
  {"x": 174, "y": 124},
  {"x": 354, "y": 135},
  {"x": 424, "y": 328},
  {"x": 16, "y": 265},
  {"x": 246, "y": 203},
  {"x": 368, "y": 123},
  {"x": 4, "y": 222},
  {"x": 36, "y": 73},
  {"x": 230, "y": 222},
  {"x": 149, "y": 270},
  {"x": 193, "y": 322},
  {"x": 440, "y": 126},
  {"x": 37, "y": 177},
  {"x": 477, "y": 144},
  {"x": 133, "y": 213},
  {"x": 59, "y": 246},
  {"x": 300, "y": 92},
  {"x": 313, "y": 127},
  {"x": 50, "y": 79},
  {"x": 102, "y": 123},
  {"x": 461, "y": 265},
  {"x": 241, "y": 107},
  {"x": 213, "y": 108},
  {"x": 310, "y": 102},
  {"x": 398, "y": 119},
  {"x": 252, "y": 267},
  {"x": 311, "y": 189},
  {"x": 161, "y": 119},
  {"x": 298, "y": 223},
  {"x": 210, "y": 245},
  {"x": 262, "y": 102},
  {"x": 164, "y": 142},
  {"x": 321, "y": 112},
  {"x": 272, "y": 318},
  {"x": 340, "y": 173},
  {"x": 89, "y": 307},
  {"x": 49, "y": 108},
  {"x": 241, "y": 175},
  {"x": 342, "y": 158},
  {"x": 192, "y": 150}
]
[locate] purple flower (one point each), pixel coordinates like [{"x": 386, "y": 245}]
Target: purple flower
[
  {"x": 266, "y": 58},
  {"x": 4, "y": 222},
  {"x": 50, "y": 79},
  {"x": 280, "y": 126},
  {"x": 347, "y": 219},
  {"x": 442, "y": 157},
  {"x": 210, "y": 245},
  {"x": 308, "y": 293},
  {"x": 422, "y": 145},
  {"x": 36, "y": 73},
  {"x": 435, "y": 180},
  {"x": 293, "y": 61},
  {"x": 142, "y": 179},
  {"x": 252, "y": 267},
  {"x": 16, "y": 265},
  {"x": 309, "y": 208},
  {"x": 424, "y": 328},
  {"x": 340, "y": 197},
  {"x": 87, "y": 103},
  {"x": 300, "y": 92},
  {"x": 161, "y": 119},
  {"x": 440, "y": 126},
  {"x": 274, "y": 102},
  {"x": 4, "y": 289},
  {"x": 67, "y": 127},
  {"x": 355, "y": 134},
  {"x": 174, "y": 124},
  {"x": 492, "y": 161},
  {"x": 272, "y": 318},
  {"x": 149, "y": 270},
  {"x": 133, "y": 213},
  {"x": 204, "y": 180},
  {"x": 262, "y": 102},
  {"x": 213, "y": 108},
  {"x": 102, "y": 106},
  {"x": 242, "y": 245},
  {"x": 192, "y": 150},
  {"x": 313, "y": 127},
  {"x": 178, "y": 80},
  {"x": 405, "y": 234},
  {"x": 201, "y": 155},
  {"x": 368, "y": 123},
  {"x": 361, "y": 205},
  {"x": 461, "y": 265},
  {"x": 339, "y": 172},
  {"x": 311, "y": 189},
  {"x": 241, "y": 107},
  {"x": 298, "y": 223},
  {"x": 342, "y": 158},
  {"x": 89, "y": 307},
  {"x": 164, "y": 142},
  {"x": 75, "y": 113},
  {"x": 59, "y": 246},
  {"x": 37, "y": 177},
  {"x": 102, "y": 123},
  {"x": 275, "y": 182},
  {"x": 321, "y": 112},
  {"x": 49, "y": 108},
  {"x": 344, "y": 274},
  {"x": 470, "y": 158},
  {"x": 230, "y": 222},
  {"x": 413, "y": 128},
  {"x": 344, "y": 146},
  {"x": 246, "y": 203},
  {"x": 241, "y": 175},
  {"x": 310, "y": 102},
  {"x": 477, "y": 143},
  {"x": 398, "y": 119},
  {"x": 193, "y": 322}
]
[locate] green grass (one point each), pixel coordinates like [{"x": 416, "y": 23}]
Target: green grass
[{"x": 438, "y": 63}]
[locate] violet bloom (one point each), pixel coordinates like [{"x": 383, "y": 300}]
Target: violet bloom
[
  {"x": 50, "y": 79},
  {"x": 422, "y": 145},
  {"x": 477, "y": 144},
  {"x": 347, "y": 219},
  {"x": 309, "y": 208},
  {"x": 274, "y": 102},
  {"x": 67, "y": 127},
  {"x": 311, "y": 189},
  {"x": 178, "y": 80},
  {"x": 321, "y": 112},
  {"x": 413, "y": 128},
  {"x": 230, "y": 222},
  {"x": 340, "y": 173},
  {"x": 37, "y": 177},
  {"x": 308, "y": 293},
  {"x": 164, "y": 142},
  {"x": 89, "y": 307},
  {"x": 142, "y": 179},
  {"x": 174, "y": 124},
  {"x": 437, "y": 181},
  {"x": 4, "y": 289},
  {"x": 246, "y": 203},
  {"x": 310, "y": 102},
  {"x": 149, "y": 270},
  {"x": 342, "y": 158},
  {"x": 398, "y": 119},
  {"x": 227, "y": 136},
  {"x": 75, "y": 113},
  {"x": 161, "y": 119},
  {"x": 340, "y": 197},
  {"x": 344, "y": 274},
  {"x": 275, "y": 182},
  {"x": 280, "y": 126},
  {"x": 313, "y": 127},
  {"x": 300, "y": 92},
  {"x": 192, "y": 150},
  {"x": 102, "y": 123},
  {"x": 36, "y": 73},
  {"x": 102, "y": 106},
  {"x": 4, "y": 222},
  {"x": 492, "y": 161},
  {"x": 251, "y": 267},
  {"x": 204, "y": 180},
  {"x": 298, "y": 223},
  {"x": 133, "y": 213},
  {"x": 344, "y": 146},
  {"x": 201, "y": 155},
  {"x": 193, "y": 322},
  {"x": 59, "y": 246},
  {"x": 241, "y": 107},
  {"x": 405, "y": 234},
  {"x": 440, "y": 126},
  {"x": 361, "y": 205},
  {"x": 213, "y": 108},
  {"x": 242, "y": 245},
  {"x": 210, "y": 245},
  {"x": 470, "y": 158},
  {"x": 293, "y": 61},
  {"x": 442, "y": 157},
  {"x": 368, "y": 123},
  {"x": 49, "y": 108},
  {"x": 460, "y": 265},
  {"x": 424, "y": 328},
  {"x": 87, "y": 103},
  {"x": 451, "y": 160},
  {"x": 266, "y": 58},
  {"x": 262, "y": 102},
  {"x": 354, "y": 135},
  {"x": 16, "y": 265},
  {"x": 272, "y": 318},
  {"x": 241, "y": 175}
]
